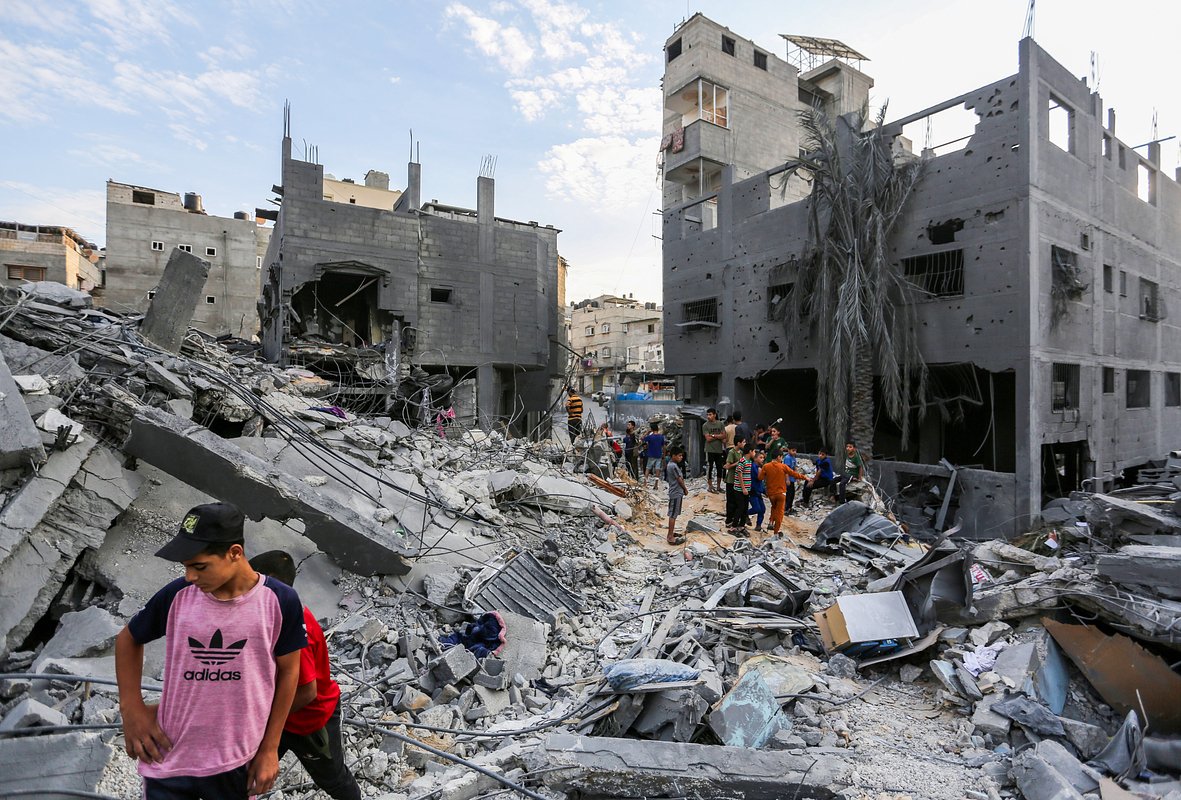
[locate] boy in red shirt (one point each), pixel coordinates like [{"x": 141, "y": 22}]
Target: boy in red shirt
[{"x": 312, "y": 730}]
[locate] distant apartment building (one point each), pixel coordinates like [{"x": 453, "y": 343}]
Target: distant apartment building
[
  {"x": 47, "y": 253},
  {"x": 360, "y": 280},
  {"x": 619, "y": 340},
  {"x": 145, "y": 225}
]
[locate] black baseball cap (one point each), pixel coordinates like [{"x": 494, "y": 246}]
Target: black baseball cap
[{"x": 212, "y": 523}]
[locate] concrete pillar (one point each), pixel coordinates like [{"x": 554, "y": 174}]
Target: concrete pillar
[
  {"x": 1111, "y": 121},
  {"x": 414, "y": 185},
  {"x": 486, "y": 395},
  {"x": 175, "y": 302},
  {"x": 486, "y": 217}
]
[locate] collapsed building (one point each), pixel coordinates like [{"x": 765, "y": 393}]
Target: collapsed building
[
  {"x": 1042, "y": 253},
  {"x": 468, "y": 298}
]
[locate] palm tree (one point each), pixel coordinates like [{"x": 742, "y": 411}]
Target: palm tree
[{"x": 848, "y": 291}]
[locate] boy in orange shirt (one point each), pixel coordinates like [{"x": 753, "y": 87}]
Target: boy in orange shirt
[{"x": 775, "y": 474}]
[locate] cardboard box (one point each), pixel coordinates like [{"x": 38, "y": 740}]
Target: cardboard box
[{"x": 862, "y": 619}]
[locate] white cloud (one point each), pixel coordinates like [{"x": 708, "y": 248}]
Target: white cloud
[
  {"x": 217, "y": 55},
  {"x": 185, "y": 134},
  {"x": 177, "y": 93},
  {"x": 129, "y": 23},
  {"x": 83, "y": 210},
  {"x": 109, "y": 154},
  {"x": 594, "y": 168},
  {"x": 39, "y": 80},
  {"x": 505, "y": 43},
  {"x": 395, "y": 79},
  {"x": 41, "y": 15}
]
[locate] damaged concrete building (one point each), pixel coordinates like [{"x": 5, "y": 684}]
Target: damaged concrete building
[
  {"x": 47, "y": 253},
  {"x": 352, "y": 291},
  {"x": 620, "y": 340},
  {"x": 145, "y": 225},
  {"x": 1042, "y": 252}
]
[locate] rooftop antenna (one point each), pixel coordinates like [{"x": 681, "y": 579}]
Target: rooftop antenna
[{"x": 1029, "y": 15}]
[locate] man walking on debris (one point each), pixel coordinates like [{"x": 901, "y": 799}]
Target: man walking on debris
[
  {"x": 312, "y": 730},
  {"x": 677, "y": 491},
  {"x": 231, "y": 663},
  {"x": 715, "y": 449},
  {"x": 573, "y": 414},
  {"x": 631, "y": 449}
]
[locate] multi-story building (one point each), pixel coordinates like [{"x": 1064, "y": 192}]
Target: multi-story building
[
  {"x": 47, "y": 253},
  {"x": 455, "y": 291},
  {"x": 1042, "y": 253},
  {"x": 145, "y": 225},
  {"x": 619, "y": 340}
]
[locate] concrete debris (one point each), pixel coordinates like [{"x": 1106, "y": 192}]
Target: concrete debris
[
  {"x": 842, "y": 657},
  {"x": 20, "y": 444},
  {"x": 175, "y": 300}
]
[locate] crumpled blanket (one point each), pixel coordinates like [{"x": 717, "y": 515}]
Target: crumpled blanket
[{"x": 484, "y": 637}]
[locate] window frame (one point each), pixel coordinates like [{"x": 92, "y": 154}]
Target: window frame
[
  {"x": 188, "y": 248},
  {"x": 1132, "y": 380},
  {"x": 211, "y": 252},
  {"x": 157, "y": 246},
  {"x": 42, "y": 271},
  {"x": 759, "y": 56}
]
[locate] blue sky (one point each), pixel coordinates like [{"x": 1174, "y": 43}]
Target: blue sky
[{"x": 189, "y": 96}]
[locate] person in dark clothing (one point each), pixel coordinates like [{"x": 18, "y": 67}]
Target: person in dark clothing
[
  {"x": 741, "y": 429},
  {"x": 631, "y": 449},
  {"x": 823, "y": 477},
  {"x": 573, "y": 414},
  {"x": 733, "y": 457},
  {"x": 715, "y": 449}
]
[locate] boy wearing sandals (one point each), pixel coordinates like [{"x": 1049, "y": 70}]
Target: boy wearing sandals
[{"x": 676, "y": 493}]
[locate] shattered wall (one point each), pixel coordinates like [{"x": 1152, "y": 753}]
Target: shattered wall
[
  {"x": 142, "y": 235},
  {"x": 978, "y": 241},
  {"x": 469, "y": 293}
]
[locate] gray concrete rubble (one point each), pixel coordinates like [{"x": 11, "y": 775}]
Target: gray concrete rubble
[
  {"x": 20, "y": 443},
  {"x": 939, "y": 671},
  {"x": 71, "y": 762}
]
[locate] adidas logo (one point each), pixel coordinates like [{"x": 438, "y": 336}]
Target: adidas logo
[{"x": 214, "y": 654}]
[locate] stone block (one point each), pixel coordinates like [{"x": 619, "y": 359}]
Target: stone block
[
  {"x": 83, "y": 633},
  {"x": 20, "y": 443},
  {"x": 749, "y": 714},
  {"x": 987, "y": 721},
  {"x": 30, "y": 713},
  {"x": 1088, "y": 739},
  {"x": 453, "y": 665},
  {"x": 526, "y": 648},
  {"x": 78, "y": 762},
  {"x": 671, "y": 715},
  {"x": 178, "y": 293}
]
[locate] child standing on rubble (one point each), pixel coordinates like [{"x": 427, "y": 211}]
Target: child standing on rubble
[
  {"x": 776, "y": 473},
  {"x": 733, "y": 456},
  {"x": 677, "y": 491},
  {"x": 654, "y": 451},
  {"x": 312, "y": 730},
  {"x": 231, "y": 663},
  {"x": 742, "y": 489},
  {"x": 757, "y": 488}
]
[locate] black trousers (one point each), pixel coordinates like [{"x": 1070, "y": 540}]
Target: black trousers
[
  {"x": 819, "y": 483},
  {"x": 322, "y": 755},
  {"x": 715, "y": 467},
  {"x": 574, "y": 428},
  {"x": 791, "y": 497},
  {"x": 223, "y": 786}
]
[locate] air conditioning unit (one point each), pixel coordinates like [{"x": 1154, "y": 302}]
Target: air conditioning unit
[{"x": 1070, "y": 415}]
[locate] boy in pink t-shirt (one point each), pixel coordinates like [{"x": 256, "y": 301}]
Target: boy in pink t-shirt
[{"x": 231, "y": 663}]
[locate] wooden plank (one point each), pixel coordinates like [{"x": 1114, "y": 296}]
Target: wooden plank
[{"x": 656, "y": 643}]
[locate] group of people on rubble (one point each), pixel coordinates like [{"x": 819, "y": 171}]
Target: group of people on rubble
[{"x": 246, "y": 675}]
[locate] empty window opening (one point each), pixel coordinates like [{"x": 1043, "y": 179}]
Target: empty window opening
[
  {"x": 18, "y": 272},
  {"x": 944, "y": 232},
  {"x": 1107, "y": 147},
  {"x": 702, "y": 100},
  {"x": 1146, "y": 183},
  {"x": 673, "y": 50},
  {"x": 1060, "y": 125},
  {"x": 727, "y": 45},
  {"x": 1064, "y": 386},
  {"x": 776, "y": 299},
  {"x": 151, "y": 294},
  {"x": 210, "y": 299},
  {"x": 440, "y": 295},
  {"x": 1084, "y": 241},
  {"x": 1123, "y": 160},
  {"x": 158, "y": 246},
  {"x": 944, "y": 131},
  {"x": 342, "y": 307},
  {"x": 937, "y": 274},
  {"x": 1109, "y": 380},
  {"x": 810, "y": 99},
  {"x": 699, "y": 311},
  {"x": 210, "y": 251},
  {"x": 1150, "y": 304},
  {"x": 1139, "y": 388},
  {"x": 1066, "y": 284},
  {"x": 760, "y": 60},
  {"x": 1123, "y": 283},
  {"x": 1108, "y": 278},
  {"x": 1172, "y": 389},
  {"x": 652, "y": 328},
  {"x": 188, "y": 248},
  {"x": 145, "y": 198}
]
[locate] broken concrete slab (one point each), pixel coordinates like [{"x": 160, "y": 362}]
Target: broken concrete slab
[
  {"x": 1125, "y": 675},
  {"x": 1112, "y": 517},
  {"x": 83, "y": 633},
  {"x": 608, "y": 767},
  {"x": 987, "y": 721},
  {"x": 79, "y": 760},
  {"x": 60, "y": 370},
  {"x": 455, "y": 664},
  {"x": 1156, "y": 567},
  {"x": 1037, "y": 669},
  {"x": 522, "y": 584},
  {"x": 177, "y": 295},
  {"x": 204, "y": 460},
  {"x": 20, "y": 443},
  {"x": 29, "y": 713},
  {"x": 671, "y": 715},
  {"x": 748, "y": 715}
]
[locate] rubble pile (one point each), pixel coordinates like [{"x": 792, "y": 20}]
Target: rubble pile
[{"x": 502, "y": 623}]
